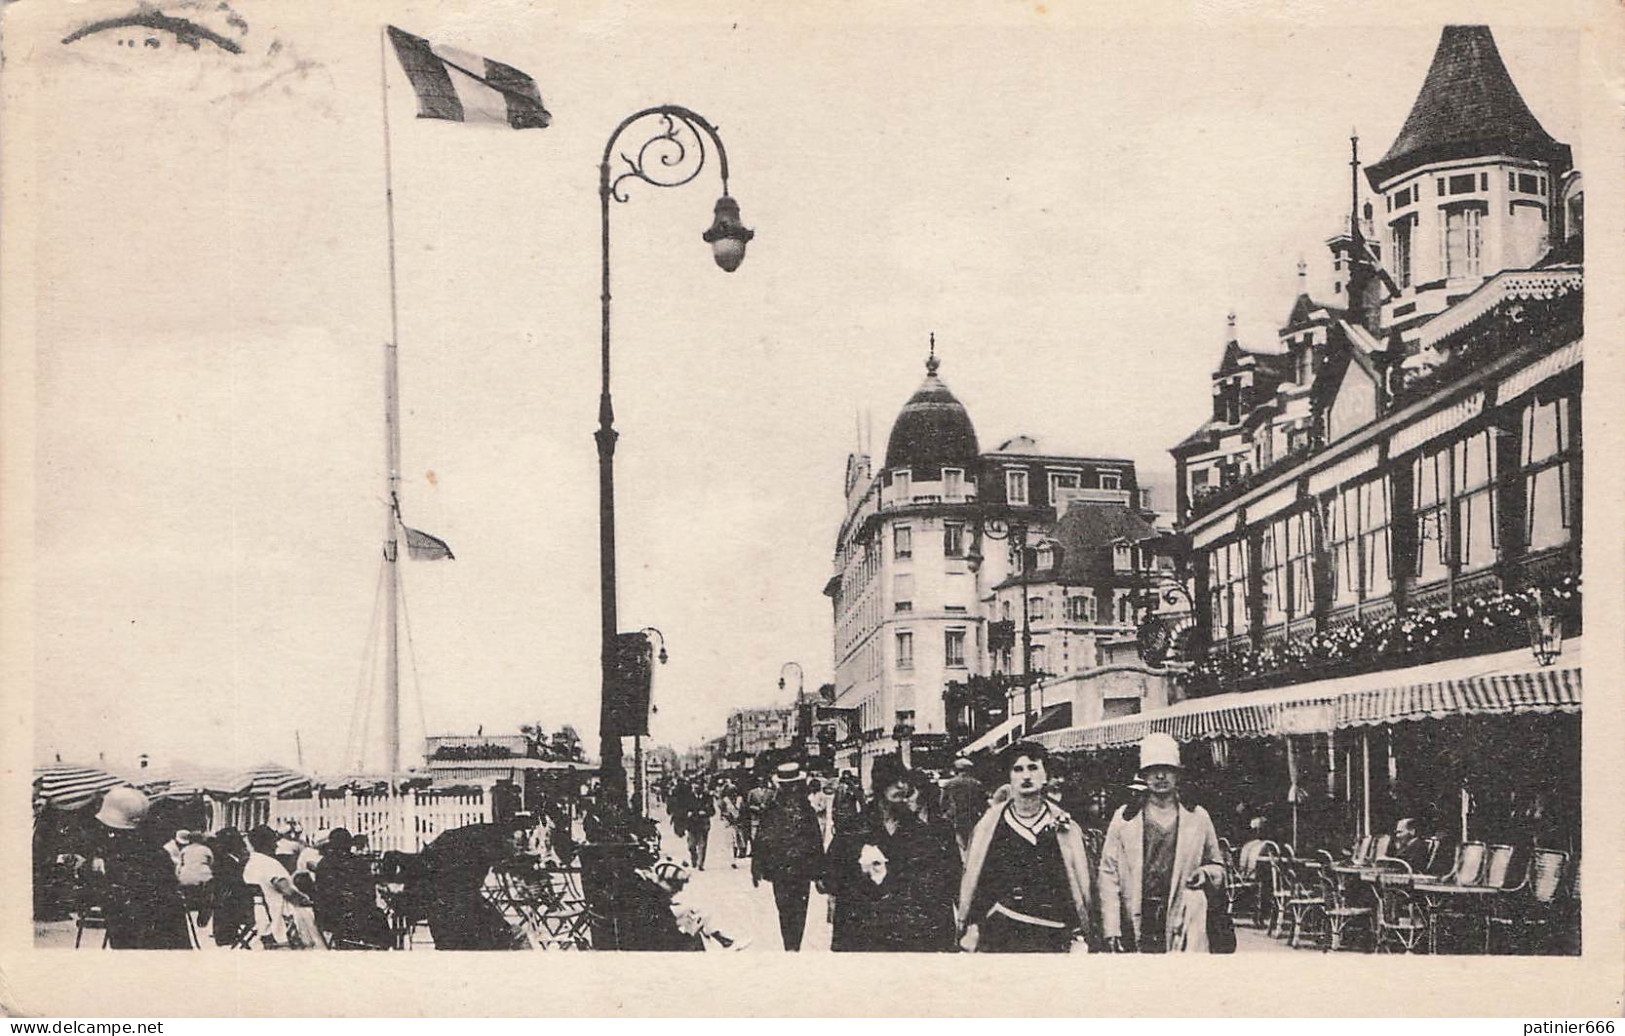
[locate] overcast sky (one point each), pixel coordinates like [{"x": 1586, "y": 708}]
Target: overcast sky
[{"x": 1072, "y": 206}]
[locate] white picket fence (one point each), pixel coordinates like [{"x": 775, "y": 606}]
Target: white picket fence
[{"x": 403, "y": 821}]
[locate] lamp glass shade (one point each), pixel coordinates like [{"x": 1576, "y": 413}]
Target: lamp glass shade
[{"x": 728, "y": 252}]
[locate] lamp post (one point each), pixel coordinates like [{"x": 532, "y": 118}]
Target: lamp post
[
  {"x": 999, "y": 529},
  {"x": 672, "y": 155}
]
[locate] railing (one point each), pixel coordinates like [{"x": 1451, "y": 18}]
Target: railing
[{"x": 403, "y": 822}]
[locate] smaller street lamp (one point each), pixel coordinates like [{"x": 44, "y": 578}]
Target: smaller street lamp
[
  {"x": 801, "y": 685},
  {"x": 728, "y": 236},
  {"x": 1545, "y": 635}
]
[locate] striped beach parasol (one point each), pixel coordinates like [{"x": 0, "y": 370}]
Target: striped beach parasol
[{"x": 68, "y": 786}]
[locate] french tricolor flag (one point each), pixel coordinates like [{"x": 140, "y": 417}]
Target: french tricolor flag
[{"x": 462, "y": 87}]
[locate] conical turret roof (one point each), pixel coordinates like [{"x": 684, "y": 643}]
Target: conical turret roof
[
  {"x": 933, "y": 431},
  {"x": 1468, "y": 106}
]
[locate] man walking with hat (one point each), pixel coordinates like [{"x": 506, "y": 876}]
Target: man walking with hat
[
  {"x": 789, "y": 852},
  {"x": 1160, "y": 859},
  {"x": 964, "y": 800}
]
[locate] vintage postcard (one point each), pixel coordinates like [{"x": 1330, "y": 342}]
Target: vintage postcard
[{"x": 1101, "y": 482}]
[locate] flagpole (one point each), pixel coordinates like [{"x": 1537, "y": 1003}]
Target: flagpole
[{"x": 392, "y": 665}]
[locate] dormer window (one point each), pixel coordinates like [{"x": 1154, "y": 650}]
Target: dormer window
[
  {"x": 953, "y": 483},
  {"x": 1045, "y": 557},
  {"x": 1111, "y": 480},
  {"x": 903, "y": 484},
  {"x": 1122, "y": 557}
]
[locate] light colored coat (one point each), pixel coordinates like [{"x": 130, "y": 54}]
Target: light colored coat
[{"x": 1121, "y": 875}]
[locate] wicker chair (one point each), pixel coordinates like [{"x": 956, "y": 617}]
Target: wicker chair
[
  {"x": 1433, "y": 843},
  {"x": 1498, "y": 867},
  {"x": 1474, "y": 863},
  {"x": 1532, "y": 906},
  {"x": 1400, "y": 918},
  {"x": 1282, "y": 871},
  {"x": 1381, "y": 846},
  {"x": 1305, "y": 901},
  {"x": 1241, "y": 874},
  {"x": 1341, "y": 909},
  {"x": 1362, "y": 850}
]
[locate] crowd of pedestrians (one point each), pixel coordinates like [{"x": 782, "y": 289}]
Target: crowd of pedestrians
[
  {"x": 928, "y": 865},
  {"x": 920, "y": 865}
]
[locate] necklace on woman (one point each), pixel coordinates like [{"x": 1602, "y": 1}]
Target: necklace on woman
[{"x": 1027, "y": 820}]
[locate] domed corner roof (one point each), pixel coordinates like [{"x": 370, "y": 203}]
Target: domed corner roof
[{"x": 933, "y": 430}]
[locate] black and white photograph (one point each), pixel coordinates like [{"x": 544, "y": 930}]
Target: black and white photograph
[{"x": 809, "y": 479}]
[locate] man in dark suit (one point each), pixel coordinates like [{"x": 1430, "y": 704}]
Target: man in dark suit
[
  {"x": 789, "y": 852},
  {"x": 1409, "y": 845}
]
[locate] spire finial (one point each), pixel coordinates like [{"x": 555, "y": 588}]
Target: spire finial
[
  {"x": 931, "y": 362},
  {"x": 1303, "y": 275},
  {"x": 1230, "y": 322}
]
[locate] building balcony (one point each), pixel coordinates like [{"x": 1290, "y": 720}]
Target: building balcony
[{"x": 1432, "y": 629}]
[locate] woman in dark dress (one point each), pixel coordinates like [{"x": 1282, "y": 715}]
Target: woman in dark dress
[
  {"x": 892, "y": 873},
  {"x": 1026, "y": 887},
  {"x": 231, "y": 903}
]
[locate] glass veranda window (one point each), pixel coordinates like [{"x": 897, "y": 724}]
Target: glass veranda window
[
  {"x": 1342, "y": 545},
  {"x": 1430, "y": 498},
  {"x": 1375, "y": 545},
  {"x": 1474, "y": 491},
  {"x": 1274, "y": 572},
  {"x": 1548, "y": 505}
]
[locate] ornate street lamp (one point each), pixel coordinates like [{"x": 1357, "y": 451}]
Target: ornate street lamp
[
  {"x": 672, "y": 155},
  {"x": 1155, "y": 632}
]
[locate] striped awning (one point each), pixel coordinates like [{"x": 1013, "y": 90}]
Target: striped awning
[
  {"x": 66, "y": 786},
  {"x": 1485, "y": 685},
  {"x": 1539, "y": 690},
  {"x": 996, "y": 737}
]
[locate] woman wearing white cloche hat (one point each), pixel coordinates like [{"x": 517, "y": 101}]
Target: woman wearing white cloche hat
[{"x": 1161, "y": 858}]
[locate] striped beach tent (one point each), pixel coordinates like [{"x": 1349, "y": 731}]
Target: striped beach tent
[
  {"x": 68, "y": 786},
  {"x": 268, "y": 779},
  {"x": 192, "y": 784}
]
